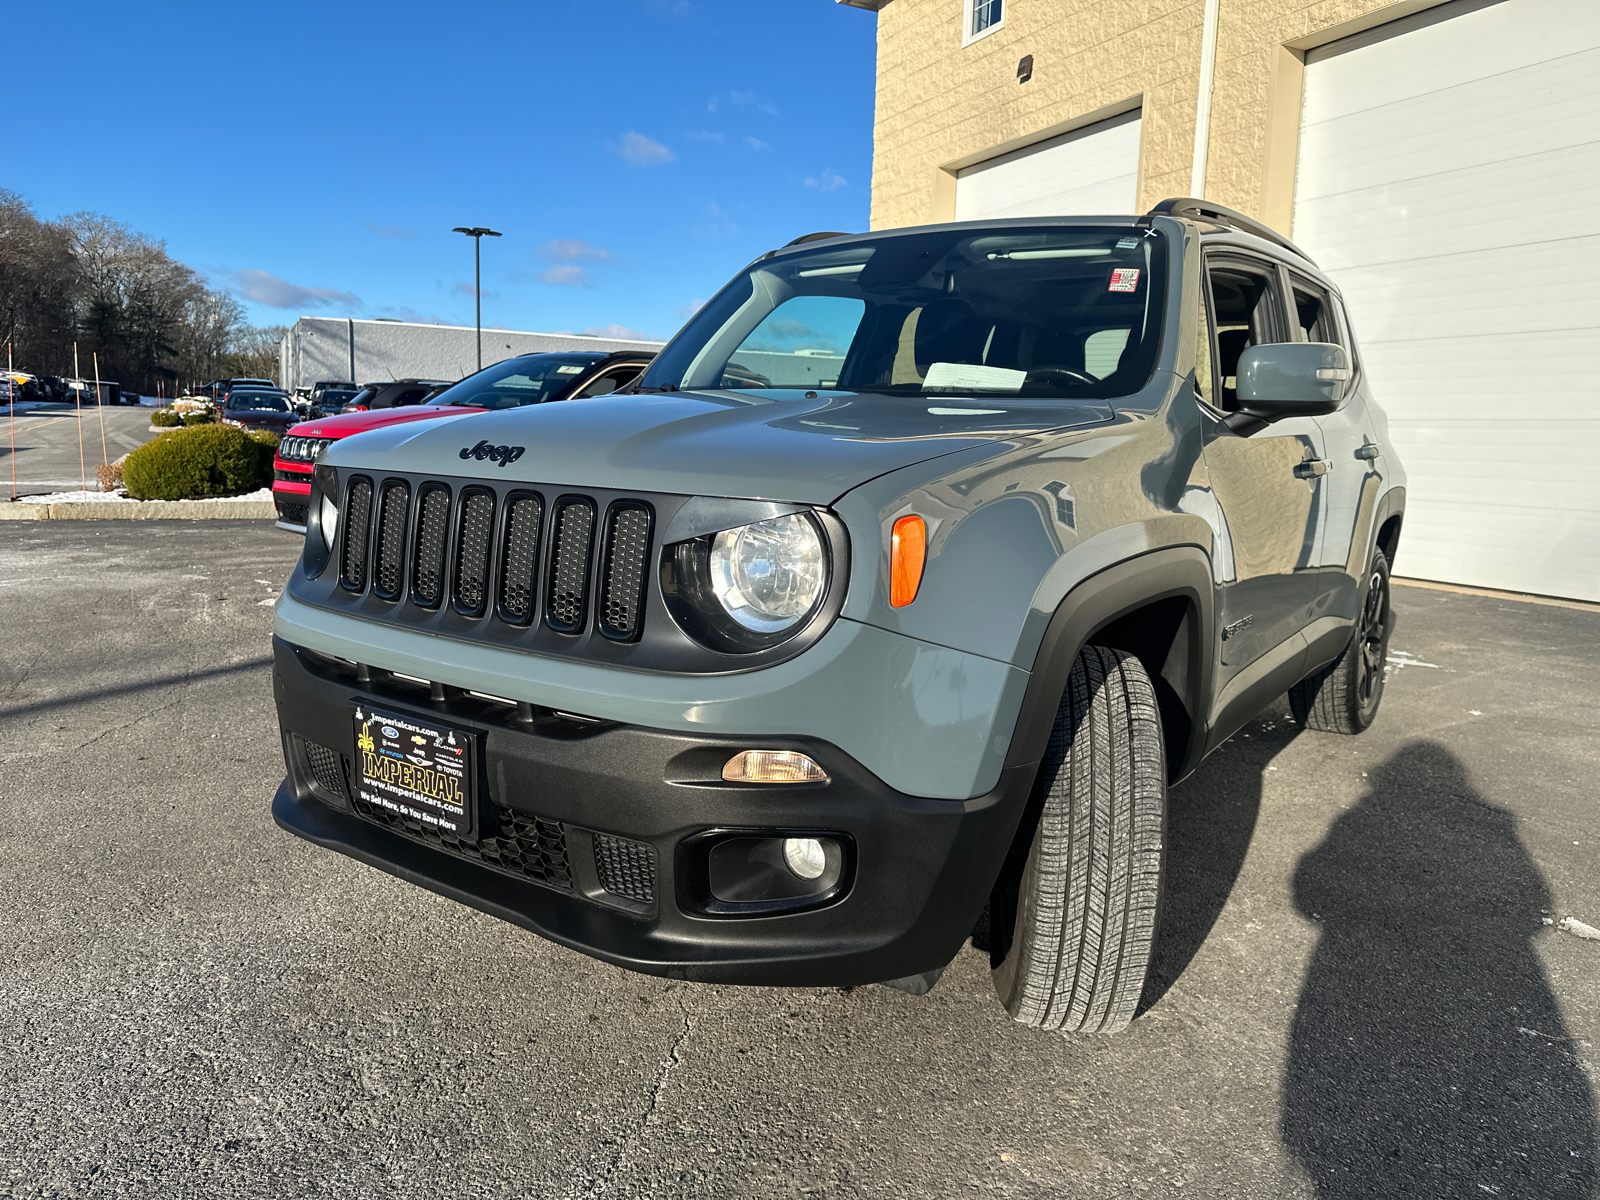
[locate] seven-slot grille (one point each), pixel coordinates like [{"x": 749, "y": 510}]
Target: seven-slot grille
[
  {"x": 498, "y": 555},
  {"x": 302, "y": 449}
]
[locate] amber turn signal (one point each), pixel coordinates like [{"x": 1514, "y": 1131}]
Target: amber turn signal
[{"x": 908, "y": 548}]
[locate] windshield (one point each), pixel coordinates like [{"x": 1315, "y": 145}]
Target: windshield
[
  {"x": 364, "y": 396},
  {"x": 1057, "y": 311},
  {"x": 336, "y": 395},
  {"x": 531, "y": 379},
  {"x": 257, "y": 402}
]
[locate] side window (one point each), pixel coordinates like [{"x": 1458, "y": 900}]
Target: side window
[
  {"x": 1245, "y": 307},
  {"x": 604, "y": 385},
  {"x": 1313, "y": 313},
  {"x": 410, "y": 396}
]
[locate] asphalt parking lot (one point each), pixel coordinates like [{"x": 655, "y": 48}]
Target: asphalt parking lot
[
  {"x": 47, "y": 459},
  {"x": 1364, "y": 986}
]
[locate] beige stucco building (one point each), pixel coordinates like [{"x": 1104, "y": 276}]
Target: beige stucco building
[{"x": 1436, "y": 158}]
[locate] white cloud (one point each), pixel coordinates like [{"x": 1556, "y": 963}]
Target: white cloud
[
  {"x": 263, "y": 287},
  {"x": 685, "y": 311},
  {"x": 390, "y": 231},
  {"x": 466, "y": 289},
  {"x": 719, "y": 224},
  {"x": 571, "y": 249},
  {"x": 753, "y": 100},
  {"x": 567, "y": 275},
  {"x": 641, "y": 151},
  {"x": 757, "y": 144},
  {"x": 827, "y": 180}
]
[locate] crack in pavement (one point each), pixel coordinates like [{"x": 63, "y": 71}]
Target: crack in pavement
[{"x": 631, "y": 1142}]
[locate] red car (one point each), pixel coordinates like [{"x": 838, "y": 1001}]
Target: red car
[{"x": 526, "y": 379}]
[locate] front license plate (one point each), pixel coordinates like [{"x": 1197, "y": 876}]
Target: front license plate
[{"x": 415, "y": 768}]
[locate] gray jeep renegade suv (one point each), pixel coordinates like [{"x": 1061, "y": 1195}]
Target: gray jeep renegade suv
[{"x": 896, "y": 593}]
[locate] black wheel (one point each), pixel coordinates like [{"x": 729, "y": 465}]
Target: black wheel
[
  {"x": 1343, "y": 697},
  {"x": 1072, "y": 934}
]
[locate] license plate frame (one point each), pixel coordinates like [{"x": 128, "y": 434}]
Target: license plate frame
[{"x": 415, "y": 767}]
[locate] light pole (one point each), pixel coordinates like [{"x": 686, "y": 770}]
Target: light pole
[{"x": 477, "y": 233}]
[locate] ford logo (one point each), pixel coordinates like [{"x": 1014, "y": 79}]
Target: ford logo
[
  {"x": 389, "y": 731},
  {"x": 496, "y": 454}
]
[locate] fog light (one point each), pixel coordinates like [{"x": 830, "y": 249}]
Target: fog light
[
  {"x": 804, "y": 857},
  {"x": 773, "y": 766}
]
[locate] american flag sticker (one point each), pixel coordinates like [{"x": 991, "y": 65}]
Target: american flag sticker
[{"x": 1124, "y": 279}]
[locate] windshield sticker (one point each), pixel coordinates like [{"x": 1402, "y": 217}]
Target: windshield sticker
[
  {"x": 961, "y": 377},
  {"x": 569, "y": 369},
  {"x": 1128, "y": 244},
  {"x": 1124, "y": 279}
]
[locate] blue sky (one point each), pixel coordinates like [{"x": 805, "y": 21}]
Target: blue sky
[{"x": 313, "y": 159}]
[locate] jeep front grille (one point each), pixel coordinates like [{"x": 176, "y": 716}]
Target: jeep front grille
[
  {"x": 433, "y": 522},
  {"x": 358, "y": 515},
  {"x": 508, "y": 559},
  {"x": 569, "y": 575}
]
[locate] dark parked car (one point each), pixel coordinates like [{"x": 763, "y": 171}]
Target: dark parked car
[
  {"x": 259, "y": 409},
  {"x": 401, "y": 393}
]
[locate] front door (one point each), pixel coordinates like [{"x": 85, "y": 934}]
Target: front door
[{"x": 1265, "y": 485}]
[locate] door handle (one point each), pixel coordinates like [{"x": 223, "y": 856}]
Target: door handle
[
  {"x": 1311, "y": 468},
  {"x": 1368, "y": 451}
]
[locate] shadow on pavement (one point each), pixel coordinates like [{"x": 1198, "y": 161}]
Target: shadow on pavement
[{"x": 1428, "y": 1056}]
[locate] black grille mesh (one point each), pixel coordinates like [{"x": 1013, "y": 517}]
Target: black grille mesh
[
  {"x": 292, "y": 513},
  {"x": 569, "y": 578},
  {"x": 626, "y": 868},
  {"x": 388, "y": 567},
  {"x": 520, "y": 558},
  {"x": 327, "y": 769},
  {"x": 358, "y": 514},
  {"x": 427, "y": 580},
  {"x": 472, "y": 555},
  {"x": 627, "y": 548},
  {"x": 520, "y": 843}
]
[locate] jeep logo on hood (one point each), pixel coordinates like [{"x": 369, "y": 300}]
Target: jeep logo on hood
[{"x": 496, "y": 454}]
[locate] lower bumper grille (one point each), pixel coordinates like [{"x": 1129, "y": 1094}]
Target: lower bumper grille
[
  {"x": 523, "y": 844},
  {"x": 294, "y": 514}
]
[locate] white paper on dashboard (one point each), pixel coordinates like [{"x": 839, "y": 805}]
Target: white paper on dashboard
[{"x": 962, "y": 376}]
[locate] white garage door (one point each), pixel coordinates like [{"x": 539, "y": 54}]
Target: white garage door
[
  {"x": 1449, "y": 181},
  {"x": 1093, "y": 170}
]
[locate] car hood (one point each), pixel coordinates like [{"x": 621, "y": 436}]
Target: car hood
[
  {"x": 752, "y": 445},
  {"x": 360, "y": 422}
]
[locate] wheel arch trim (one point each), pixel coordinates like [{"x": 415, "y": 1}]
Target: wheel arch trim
[{"x": 1096, "y": 602}]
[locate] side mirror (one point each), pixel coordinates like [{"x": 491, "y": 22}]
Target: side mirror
[{"x": 1292, "y": 379}]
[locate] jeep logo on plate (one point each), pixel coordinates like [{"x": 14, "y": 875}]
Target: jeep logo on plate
[{"x": 497, "y": 454}]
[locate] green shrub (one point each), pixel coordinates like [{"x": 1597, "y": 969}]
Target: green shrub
[
  {"x": 165, "y": 420},
  {"x": 197, "y": 418},
  {"x": 210, "y": 461},
  {"x": 266, "y": 449}
]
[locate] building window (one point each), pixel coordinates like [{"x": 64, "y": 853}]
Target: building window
[{"x": 980, "y": 18}]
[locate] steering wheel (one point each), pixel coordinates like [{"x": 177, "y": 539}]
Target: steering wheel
[{"x": 1052, "y": 374}]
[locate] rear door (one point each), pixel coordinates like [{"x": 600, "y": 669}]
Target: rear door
[
  {"x": 1265, "y": 485},
  {"x": 1354, "y": 464}
]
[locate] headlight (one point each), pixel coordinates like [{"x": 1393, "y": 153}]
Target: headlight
[
  {"x": 768, "y": 575},
  {"x": 754, "y": 586},
  {"x": 330, "y": 520}
]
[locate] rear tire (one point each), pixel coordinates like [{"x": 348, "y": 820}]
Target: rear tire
[
  {"x": 1343, "y": 697},
  {"x": 1073, "y": 936}
]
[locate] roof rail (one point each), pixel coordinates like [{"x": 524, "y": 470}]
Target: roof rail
[
  {"x": 812, "y": 237},
  {"x": 1204, "y": 210}
]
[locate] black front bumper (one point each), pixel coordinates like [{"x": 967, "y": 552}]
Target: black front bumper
[{"x": 920, "y": 870}]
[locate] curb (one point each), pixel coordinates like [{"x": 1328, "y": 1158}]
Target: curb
[{"x": 150, "y": 510}]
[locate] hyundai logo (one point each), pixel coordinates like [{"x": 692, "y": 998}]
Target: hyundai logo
[{"x": 495, "y": 454}]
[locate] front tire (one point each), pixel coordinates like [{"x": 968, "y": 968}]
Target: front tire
[
  {"x": 1078, "y": 926},
  {"x": 1343, "y": 697}
]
